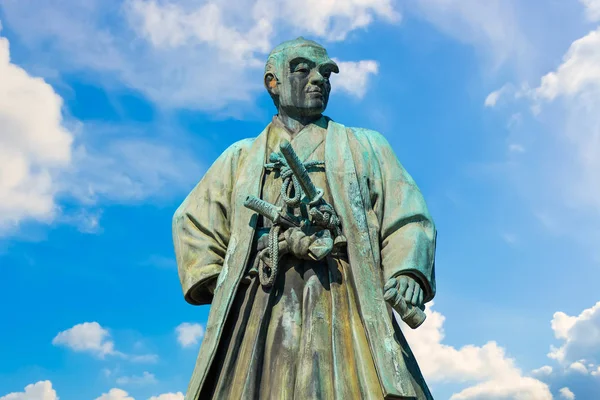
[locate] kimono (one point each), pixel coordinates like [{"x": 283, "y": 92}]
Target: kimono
[{"x": 323, "y": 330}]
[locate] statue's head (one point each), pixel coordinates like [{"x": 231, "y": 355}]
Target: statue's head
[{"x": 297, "y": 77}]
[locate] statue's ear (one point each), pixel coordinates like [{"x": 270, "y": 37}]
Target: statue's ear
[{"x": 272, "y": 84}]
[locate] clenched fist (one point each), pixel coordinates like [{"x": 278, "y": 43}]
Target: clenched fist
[{"x": 406, "y": 287}]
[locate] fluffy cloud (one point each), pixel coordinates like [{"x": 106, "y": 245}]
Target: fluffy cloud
[
  {"x": 168, "y": 396},
  {"x": 189, "y": 334},
  {"x": 497, "y": 375},
  {"x": 115, "y": 394},
  {"x": 354, "y": 76},
  {"x": 580, "y": 336},
  {"x": 565, "y": 393},
  {"x": 579, "y": 72},
  {"x": 91, "y": 337},
  {"x": 86, "y": 337},
  {"x": 542, "y": 371},
  {"x": 182, "y": 53},
  {"x": 34, "y": 144},
  {"x": 36, "y": 391}
]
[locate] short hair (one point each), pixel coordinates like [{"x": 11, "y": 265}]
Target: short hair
[{"x": 276, "y": 57}]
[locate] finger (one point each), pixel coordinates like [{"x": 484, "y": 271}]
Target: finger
[
  {"x": 391, "y": 283},
  {"x": 403, "y": 285},
  {"x": 390, "y": 295},
  {"x": 416, "y": 294},
  {"x": 409, "y": 292},
  {"x": 420, "y": 299}
]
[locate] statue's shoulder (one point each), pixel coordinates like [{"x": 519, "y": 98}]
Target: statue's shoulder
[
  {"x": 239, "y": 147},
  {"x": 369, "y": 137}
]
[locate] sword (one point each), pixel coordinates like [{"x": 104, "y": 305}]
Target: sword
[
  {"x": 323, "y": 214},
  {"x": 273, "y": 213},
  {"x": 314, "y": 195}
]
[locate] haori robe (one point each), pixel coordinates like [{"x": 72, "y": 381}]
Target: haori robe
[{"x": 323, "y": 331}]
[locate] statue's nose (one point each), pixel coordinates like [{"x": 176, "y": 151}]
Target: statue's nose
[{"x": 317, "y": 78}]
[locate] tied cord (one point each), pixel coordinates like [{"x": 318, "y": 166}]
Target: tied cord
[
  {"x": 268, "y": 267},
  {"x": 290, "y": 183}
]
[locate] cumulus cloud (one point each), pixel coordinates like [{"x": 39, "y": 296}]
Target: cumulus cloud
[
  {"x": 87, "y": 337},
  {"x": 354, "y": 76},
  {"x": 580, "y": 336},
  {"x": 579, "y": 71},
  {"x": 189, "y": 334},
  {"x": 496, "y": 375},
  {"x": 578, "y": 366},
  {"x": 41, "y": 390},
  {"x": 92, "y": 338},
  {"x": 181, "y": 53},
  {"x": 115, "y": 394},
  {"x": 542, "y": 371},
  {"x": 34, "y": 144},
  {"x": 168, "y": 396},
  {"x": 565, "y": 393}
]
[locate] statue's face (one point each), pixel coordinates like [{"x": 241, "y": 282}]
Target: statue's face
[{"x": 304, "y": 86}]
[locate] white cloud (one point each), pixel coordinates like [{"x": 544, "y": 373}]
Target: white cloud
[
  {"x": 91, "y": 337},
  {"x": 577, "y": 366},
  {"x": 168, "y": 396},
  {"x": 183, "y": 54},
  {"x": 579, "y": 72},
  {"x": 592, "y": 8},
  {"x": 41, "y": 390},
  {"x": 542, "y": 371},
  {"x": 354, "y": 76},
  {"x": 145, "y": 379},
  {"x": 496, "y": 375},
  {"x": 34, "y": 144},
  {"x": 580, "y": 336},
  {"x": 566, "y": 393},
  {"x": 189, "y": 334},
  {"x": 492, "y": 98},
  {"x": 514, "y": 387},
  {"x": 115, "y": 394},
  {"x": 86, "y": 337}
]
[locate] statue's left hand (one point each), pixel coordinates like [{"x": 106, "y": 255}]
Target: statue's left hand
[{"x": 408, "y": 288}]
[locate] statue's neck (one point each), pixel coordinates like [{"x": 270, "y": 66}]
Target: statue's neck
[{"x": 295, "y": 124}]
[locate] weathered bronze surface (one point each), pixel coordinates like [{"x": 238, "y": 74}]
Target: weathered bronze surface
[{"x": 303, "y": 239}]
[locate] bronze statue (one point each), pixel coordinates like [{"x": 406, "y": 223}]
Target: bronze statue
[{"x": 303, "y": 239}]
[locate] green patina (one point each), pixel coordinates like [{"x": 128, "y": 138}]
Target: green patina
[{"x": 322, "y": 327}]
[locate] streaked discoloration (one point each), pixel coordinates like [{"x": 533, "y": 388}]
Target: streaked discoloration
[{"x": 323, "y": 330}]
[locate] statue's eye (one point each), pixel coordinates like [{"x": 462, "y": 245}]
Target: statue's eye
[
  {"x": 326, "y": 74},
  {"x": 302, "y": 68}
]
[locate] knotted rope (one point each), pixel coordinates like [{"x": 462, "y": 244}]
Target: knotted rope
[{"x": 291, "y": 194}]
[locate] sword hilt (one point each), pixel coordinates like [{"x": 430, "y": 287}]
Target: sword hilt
[
  {"x": 268, "y": 210},
  {"x": 314, "y": 194}
]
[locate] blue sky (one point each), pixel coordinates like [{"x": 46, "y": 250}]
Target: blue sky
[{"x": 111, "y": 112}]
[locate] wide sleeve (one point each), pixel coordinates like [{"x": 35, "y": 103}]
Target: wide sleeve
[
  {"x": 407, "y": 231},
  {"x": 201, "y": 229}
]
